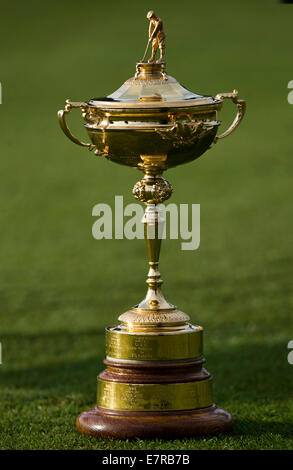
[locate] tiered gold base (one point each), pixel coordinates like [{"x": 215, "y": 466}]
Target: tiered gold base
[{"x": 154, "y": 386}]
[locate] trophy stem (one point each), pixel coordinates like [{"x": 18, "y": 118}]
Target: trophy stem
[
  {"x": 153, "y": 189},
  {"x": 153, "y": 312},
  {"x": 154, "y": 224}
]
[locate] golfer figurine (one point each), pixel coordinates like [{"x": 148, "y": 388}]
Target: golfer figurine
[{"x": 156, "y": 37}]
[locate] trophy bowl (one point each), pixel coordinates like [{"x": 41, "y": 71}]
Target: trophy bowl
[
  {"x": 152, "y": 114},
  {"x": 154, "y": 384}
]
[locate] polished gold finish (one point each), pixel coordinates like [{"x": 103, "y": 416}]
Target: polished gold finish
[
  {"x": 153, "y": 190},
  {"x": 125, "y": 345},
  {"x": 154, "y": 397},
  {"x": 241, "y": 106},
  {"x": 156, "y": 37},
  {"x": 63, "y": 124},
  {"x": 152, "y": 123},
  {"x": 149, "y": 73},
  {"x": 181, "y": 130},
  {"x": 154, "y": 97},
  {"x": 153, "y": 165},
  {"x": 154, "y": 319}
]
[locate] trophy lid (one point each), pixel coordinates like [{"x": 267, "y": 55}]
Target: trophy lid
[{"x": 151, "y": 87}]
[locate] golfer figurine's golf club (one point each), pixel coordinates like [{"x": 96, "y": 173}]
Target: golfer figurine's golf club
[{"x": 154, "y": 384}]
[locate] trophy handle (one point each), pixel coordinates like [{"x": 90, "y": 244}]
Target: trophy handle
[
  {"x": 63, "y": 123},
  {"x": 241, "y": 105}
]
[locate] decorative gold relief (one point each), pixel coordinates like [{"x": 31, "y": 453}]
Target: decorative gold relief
[
  {"x": 152, "y": 191},
  {"x": 184, "y": 133}
]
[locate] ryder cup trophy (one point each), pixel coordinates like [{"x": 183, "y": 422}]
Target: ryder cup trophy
[{"x": 154, "y": 384}]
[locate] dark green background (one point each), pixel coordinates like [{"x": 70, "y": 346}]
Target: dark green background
[{"x": 59, "y": 287}]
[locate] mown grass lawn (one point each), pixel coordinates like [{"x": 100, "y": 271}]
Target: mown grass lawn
[{"x": 60, "y": 287}]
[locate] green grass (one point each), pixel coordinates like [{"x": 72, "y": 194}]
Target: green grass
[{"x": 60, "y": 287}]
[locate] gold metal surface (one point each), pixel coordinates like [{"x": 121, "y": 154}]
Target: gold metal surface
[
  {"x": 186, "y": 344},
  {"x": 151, "y": 74},
  {"x": 241, "y": 106},
  {"x": 154, "y": 97},
  {"x": 154, "y": 319},
  {"x": 199, "y": 104},
  {"x": 153, "y": 123},
  {"x": 154, "y": 397},
  {"x": 156, "y": 37},
  {"x": 152, "y": 113},
  {"x": 122, "y": 131},
  {"x": 155, "y": 190},
  {"x": 63, "y": 123}
]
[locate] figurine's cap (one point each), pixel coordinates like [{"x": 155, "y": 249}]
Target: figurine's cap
[{"x": 150, "y": 14}]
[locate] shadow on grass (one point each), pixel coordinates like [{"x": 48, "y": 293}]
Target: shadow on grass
[
  {"x": 258, "y": 427},
  {"x": 60, "y": 361}
]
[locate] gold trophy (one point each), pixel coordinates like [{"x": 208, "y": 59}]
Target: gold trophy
[{"x": 154, "y": 384}]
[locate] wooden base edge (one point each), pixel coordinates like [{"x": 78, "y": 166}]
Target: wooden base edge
[{"x": 102, "y": 423}]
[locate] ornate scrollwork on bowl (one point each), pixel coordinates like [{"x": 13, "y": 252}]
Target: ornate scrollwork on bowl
[{"x": 185, "y": 133}]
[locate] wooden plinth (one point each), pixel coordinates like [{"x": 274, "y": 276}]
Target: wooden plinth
[{"x": 149, "y": 425}]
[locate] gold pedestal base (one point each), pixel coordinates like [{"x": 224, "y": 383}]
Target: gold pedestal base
[{"x": 154, "y": 386}]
